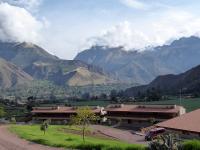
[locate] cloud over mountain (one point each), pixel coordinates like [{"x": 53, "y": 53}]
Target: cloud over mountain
[
  {"x": 168, "y": 26},
  {"x": 17, "y": 24}
]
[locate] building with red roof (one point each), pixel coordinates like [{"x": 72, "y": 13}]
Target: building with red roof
[
  {"x": 187, "y": 125},
  {"x": 141, "y": 115},
  {"x": 59, "y": 114}
]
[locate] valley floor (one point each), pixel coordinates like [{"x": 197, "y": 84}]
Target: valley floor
[{"x": 9, "y": 141}]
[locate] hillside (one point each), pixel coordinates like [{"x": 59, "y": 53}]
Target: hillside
[
  {"x": 11, "y": 75},
  {"x": 24, "y": 54},
  {"x": 143, "y": 67},
  {"x": 81, "y": 76},
  {"x": 41, "y": 65},
  {"x": 188, "y": 82}
]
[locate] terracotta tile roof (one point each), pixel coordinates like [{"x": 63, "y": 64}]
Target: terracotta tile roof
[
  {"x": 187, "y": 122},
  {"x": 61, "y": 109},
  {"x": 144, "y": 108}
]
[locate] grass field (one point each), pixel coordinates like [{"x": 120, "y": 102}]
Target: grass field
[
  {"x": 56, "y": 138},
  {"x": 190, "y": 104}
]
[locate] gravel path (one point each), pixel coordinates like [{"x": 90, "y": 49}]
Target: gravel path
[
  {"x": 119, "y": 134},
  {"x": 9, "y": 141}
]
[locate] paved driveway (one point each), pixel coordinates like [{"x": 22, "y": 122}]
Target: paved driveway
[
  {"x": 123, "y": 135},
  {"x": 9, "y": 141}
]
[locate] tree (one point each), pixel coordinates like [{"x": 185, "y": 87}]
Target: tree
[
  {"x": 83, "y": 118},
  {"x": 103, "y": 96},
  {"x": 44, "y": 126},
  {"x": 113, "y": 95},
  {"x": 13, "y": 120},
  {"x": 2, "y": 112},
  {"x": 86, "y": 96}
]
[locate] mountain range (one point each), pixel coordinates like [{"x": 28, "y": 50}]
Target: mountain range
[
  {"x": 100, "y": 65},
  {"x": 23, "y": 62},
  {"x": 188, "y": 82},
  {"x": 144, "y": 66}
]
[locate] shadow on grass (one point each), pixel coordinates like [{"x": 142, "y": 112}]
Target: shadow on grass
[
  {"x": 90, "y": 146},
  {"x": 69, "y": 139},
  {"x": 40, "y": 141},
  {"x": 45, "y": 142}
]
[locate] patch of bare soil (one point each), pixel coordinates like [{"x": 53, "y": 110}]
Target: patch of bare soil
[{"x": 95, "y": 133}]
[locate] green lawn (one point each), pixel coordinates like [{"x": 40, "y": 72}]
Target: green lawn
[
  {"x": 56, "y": 138},
  {"x": 190, "y": 104}
]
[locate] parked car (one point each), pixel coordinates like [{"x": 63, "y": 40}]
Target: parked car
[{"x": 153, "y": 133}]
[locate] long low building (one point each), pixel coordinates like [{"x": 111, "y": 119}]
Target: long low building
[
  {"x": 116, "y": 114},
  {"x": 59, "y": 114},
  {"x": 187, "y": 125},
  {"x": 141, "y": 115}
]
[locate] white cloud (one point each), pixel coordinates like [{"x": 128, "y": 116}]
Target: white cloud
[
  {"x": 31, "y": 5},
  {"x": 17, "y": 24},
  {"x": 172, "y": 24},
  {"x": 120, "y": 35},
  {"x": 134, "y": 4}
]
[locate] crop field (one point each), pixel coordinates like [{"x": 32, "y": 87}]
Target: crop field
[
  {"x": 90, "y": 103},
  {"x": 190, "y": 103}
]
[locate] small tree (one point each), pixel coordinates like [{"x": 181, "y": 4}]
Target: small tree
[
  {"x": 13, "y": 120},
  {"x": 44, "y": 126},
  {"x": 83, "y": 118}
]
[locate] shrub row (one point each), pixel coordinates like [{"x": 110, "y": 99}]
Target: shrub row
[
  {"x": 107, "y": 147},
  {"x": 191, "y": 145}
]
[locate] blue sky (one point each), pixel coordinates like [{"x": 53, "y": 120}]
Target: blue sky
[{"x": 65, "y": 27}]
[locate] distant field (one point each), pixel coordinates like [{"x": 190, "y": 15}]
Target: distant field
[
  {"x": 90, "y": 103},
  {"x": 190, "y": 104},
  {"x": 56, "y": 138}
]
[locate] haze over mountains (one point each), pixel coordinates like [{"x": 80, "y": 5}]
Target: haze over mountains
[{"x": 143, "y": 67}]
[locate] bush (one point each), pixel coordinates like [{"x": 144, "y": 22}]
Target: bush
[{"x": 191, "y": 145}]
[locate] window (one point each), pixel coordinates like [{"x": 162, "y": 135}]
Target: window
[{"x": 129, "y": 121}]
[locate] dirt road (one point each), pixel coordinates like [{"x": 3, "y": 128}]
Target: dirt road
[{"x": 9, "y": 141}]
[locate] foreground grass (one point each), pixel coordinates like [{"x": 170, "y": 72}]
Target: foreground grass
[{"x": 56, "y": 138}]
